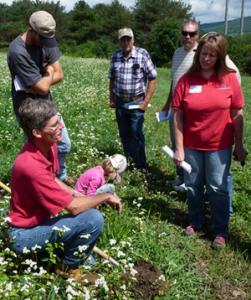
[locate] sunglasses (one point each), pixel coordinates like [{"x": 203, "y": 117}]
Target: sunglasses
[{"x": 191, "y": 34}]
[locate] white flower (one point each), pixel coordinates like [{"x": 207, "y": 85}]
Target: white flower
[
  {"x": 63, "y": 229},
  {"x": 140, "y": 198},
  {"x": 85, "y": 236},
  {"x": 162, "y": 278},
  {"x": 31, "y": 263},
  {"x": 101, "y": 282},
  {"x": 8, "y": 286},
  {"x": 82, "y": 248},
  {"x": 7, "y": 220},
  {"x": 26, "y": 250},
  {"x": 162, "y": 234},
  {"x": 120, "y": 254},
  {"x": 25, "y": 287},
  {"x": 112, "y": 242},
  {"x": 36, "y": 247},
  {"x": 133, "y": 272}
]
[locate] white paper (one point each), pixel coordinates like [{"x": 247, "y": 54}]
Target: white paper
[
  {"x": 136, "y": 106},
  {"x": 186, "y": 166},
  {"x": 18, "y": 85},
  {"x": 163, "y": 116}
]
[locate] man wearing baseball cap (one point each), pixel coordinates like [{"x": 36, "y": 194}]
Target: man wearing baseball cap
[
  {"x": 130, "y": 69},
  {"x": 33, "y": 60}
]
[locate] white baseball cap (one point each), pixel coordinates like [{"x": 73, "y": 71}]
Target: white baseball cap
[
  {"x": 118, "y": 162},
  {"x": 125, "y": 32}
]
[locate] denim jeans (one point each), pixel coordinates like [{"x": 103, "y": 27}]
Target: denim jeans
[
  {"x": 64, "y": 147},
  {"x": 180, "y": 171},
  {"x": 209, "y": 176},
  {"x": 130, "y": 125},
  {"x": 85, "y": 229}
]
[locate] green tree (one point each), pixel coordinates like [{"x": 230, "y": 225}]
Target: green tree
[
  {"x": 147, "y": 12},
  {"x": 163, "y": 39},
  {"x": 81, "y": 23}
]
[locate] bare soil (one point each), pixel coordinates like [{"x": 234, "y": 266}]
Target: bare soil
[{"x": 148, "y": 283}]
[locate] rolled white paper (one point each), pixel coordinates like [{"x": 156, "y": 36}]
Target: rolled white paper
[
  {"x": 136, "y": 106},
  {"x": 186, "y": 166}
]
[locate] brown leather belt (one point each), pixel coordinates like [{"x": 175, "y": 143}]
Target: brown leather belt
[{"x": 125, "y": 100}]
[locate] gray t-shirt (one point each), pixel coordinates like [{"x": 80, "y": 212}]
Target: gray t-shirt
[{"x": 26, "y": 64}]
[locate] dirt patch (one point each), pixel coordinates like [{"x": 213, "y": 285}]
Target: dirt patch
[
  {"x": 150, "y": 282},
  {"x": 228, "y": 291}
]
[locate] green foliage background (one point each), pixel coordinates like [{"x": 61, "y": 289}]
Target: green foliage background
[{"x": 87, "y": 31}]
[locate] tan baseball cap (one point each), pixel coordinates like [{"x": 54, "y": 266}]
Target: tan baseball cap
[
  {"x": 125, "y": 32},
  {"x": 44, "y": 24}
]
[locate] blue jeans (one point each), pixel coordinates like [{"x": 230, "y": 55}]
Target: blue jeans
[
  {"x": 209, "y": 178},
  {"x": 86, "y": 223},
  {"x": 64, "y": 147},
  {"x": 130, "y": 125},
  {"x": 180, "y": 171}
]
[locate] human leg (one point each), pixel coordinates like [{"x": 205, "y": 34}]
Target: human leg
[
  {"x": 123, "y": 121},
  {"x": 195, "y": 187},
  {"x": 137, "y": 138},
  {"x": 64, "y": 147},
  {"x": 217, "y": 172},
  {"x": 230, "y": 192},
  {"x": 78, "y": 233}
]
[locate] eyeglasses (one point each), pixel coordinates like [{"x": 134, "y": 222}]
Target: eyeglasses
[
  {"x": 190, "y": 33},
  {"x": 57, "y": 125}
]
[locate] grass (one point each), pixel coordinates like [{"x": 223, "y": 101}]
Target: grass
[{"x": 151, "y": 224}]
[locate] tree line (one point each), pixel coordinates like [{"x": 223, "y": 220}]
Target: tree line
[{"x": 92, "y": 31}]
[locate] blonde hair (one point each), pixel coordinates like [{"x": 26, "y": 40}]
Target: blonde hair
[
  {"x": 218, "y": 43},
  {"x": 109, "y": 170}
]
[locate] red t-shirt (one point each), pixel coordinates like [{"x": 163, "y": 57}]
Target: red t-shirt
[
  {"x": 36, "y": 196},
  {"x": 206, "y": 104}
]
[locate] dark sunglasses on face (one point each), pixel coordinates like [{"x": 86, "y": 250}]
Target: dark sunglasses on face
[{"x": 186, "y": 33}]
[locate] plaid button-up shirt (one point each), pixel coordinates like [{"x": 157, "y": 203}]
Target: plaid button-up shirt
[{"x": 130, "y": 75}]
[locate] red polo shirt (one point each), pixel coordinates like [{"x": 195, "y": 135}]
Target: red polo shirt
[
  {"x": 206, "y": 104},
  {"x": 36, "y": 196}
]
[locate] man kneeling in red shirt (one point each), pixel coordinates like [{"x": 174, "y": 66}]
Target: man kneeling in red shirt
[{"x": 38, "y": 196}]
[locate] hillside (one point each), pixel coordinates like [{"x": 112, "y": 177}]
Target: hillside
[{"x": 233, "y": 26}]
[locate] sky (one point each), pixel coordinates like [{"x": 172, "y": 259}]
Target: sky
[{"x": 205, "y": 11}]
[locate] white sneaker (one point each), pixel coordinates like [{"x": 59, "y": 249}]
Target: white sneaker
[{"x": 180, "y": 188}]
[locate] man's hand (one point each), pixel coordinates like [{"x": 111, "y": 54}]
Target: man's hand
[
  {"x": 112, "y": 104},
  {"x": 115, "y": 202},
  {"x": 143, "y": 105}
]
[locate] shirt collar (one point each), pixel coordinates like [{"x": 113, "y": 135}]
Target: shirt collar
[
  {"x": 29, "y": 146},
  {"x": 133, "y": 53}
]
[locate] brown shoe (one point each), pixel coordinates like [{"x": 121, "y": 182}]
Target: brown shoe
[
  {"x": 69, "y": 181},
  {"x": 76, "y": 274}
]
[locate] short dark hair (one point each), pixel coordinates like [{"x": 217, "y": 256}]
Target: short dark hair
[{"x": 34, "y": 114}]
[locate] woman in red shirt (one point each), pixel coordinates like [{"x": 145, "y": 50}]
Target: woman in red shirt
[{"x": 208, "y": 120}]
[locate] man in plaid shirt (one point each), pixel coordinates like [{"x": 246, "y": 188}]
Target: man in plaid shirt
[{"x": 132, "y": 82}]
